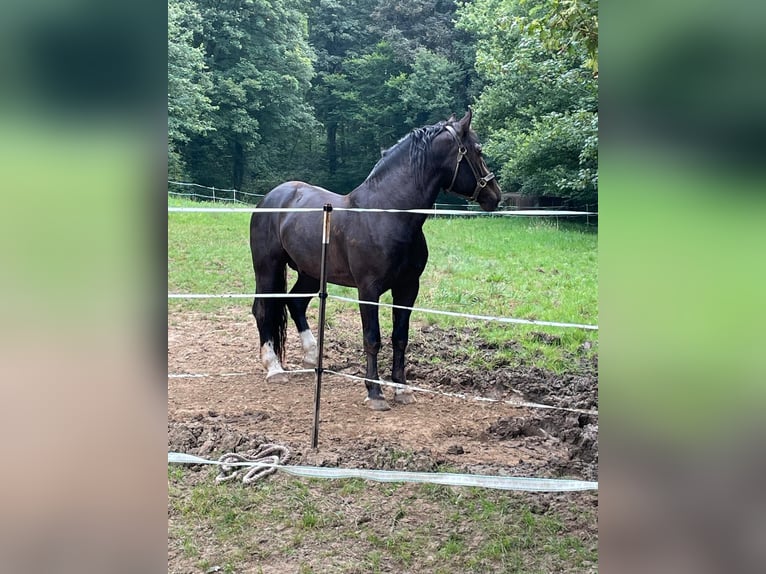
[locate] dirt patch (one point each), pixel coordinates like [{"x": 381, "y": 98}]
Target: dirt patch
[{"x": 234, "y": 409}]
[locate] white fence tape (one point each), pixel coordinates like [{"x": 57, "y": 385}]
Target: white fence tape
[
  {"x": 445, "y": 478},
  {"x": 437, "y": 206},
  {"x": 558, "y": 210},
  {"x": 434, "y": 212},
  {"x": 350, "y": 300},
  {"x": 468, "y": 315},
  {"x": 534, "y": 212},
  {"x": 461, "y": 395},
  {"x": 244, "y": 209},
  {"x": 204, "y": 375},
  {"x": 240, "y": 295}
]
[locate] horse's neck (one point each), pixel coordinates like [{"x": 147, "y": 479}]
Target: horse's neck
[
  {"x": 396, "y": 186},
  {"x": 383, "y": 194}
]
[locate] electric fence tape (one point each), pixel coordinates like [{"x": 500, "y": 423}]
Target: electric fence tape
[
  {"x": 526, "y": 484},
  {"x": 452, "y": 212},
  {"x": 468, "y": 315},
  {"x": 462, "y": 396},
  {"x": 350, "y": 300}
]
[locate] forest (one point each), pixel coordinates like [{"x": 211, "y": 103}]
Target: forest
[{"x": 263, "y": 92}]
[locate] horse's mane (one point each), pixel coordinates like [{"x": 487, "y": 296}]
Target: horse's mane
[{"x": 417, "y": 143}]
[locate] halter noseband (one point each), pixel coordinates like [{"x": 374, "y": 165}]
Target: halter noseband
[{"x": 481, "y": 181}]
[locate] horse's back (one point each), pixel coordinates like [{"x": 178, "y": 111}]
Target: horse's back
[
  {"x": 294, "y": 237},
  {"x": 266, "y": 227},
  {"x": 299, "y": 194}
]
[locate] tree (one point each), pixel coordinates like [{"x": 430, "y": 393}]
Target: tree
[
  {"x": 428, "y": 92},
  {"x": 339, "y": 33},
  {"x": 261, "y": 68},
  {"x": 189, "y": 82},
  {"x": 382, "y": 69},
  {"x": 563, "y": 25},
  {"x": 264, "y": 91},
  {"x": 422, "y": 34}
]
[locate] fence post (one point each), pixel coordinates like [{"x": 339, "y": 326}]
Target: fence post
[
  {"x": 235, "y": 195},
  {"x": 213, "y": 194},
  {"x": 322, "y": 302}
]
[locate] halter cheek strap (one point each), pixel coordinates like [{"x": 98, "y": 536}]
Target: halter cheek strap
[{"x": 481, "y": 181}]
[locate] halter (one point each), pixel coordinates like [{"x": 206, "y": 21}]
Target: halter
[{"x": 481, "y": 181}]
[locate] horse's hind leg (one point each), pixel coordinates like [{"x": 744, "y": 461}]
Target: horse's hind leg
[
  {"x": 270, "y": 354},
  {"x": 405, "y": 296},
  {"x": 271, "y": 318},
  {"x": 297, "y": 308}
]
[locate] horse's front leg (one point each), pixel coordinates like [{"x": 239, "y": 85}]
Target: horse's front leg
[
  {"x": 371, "y": 335},
  {"x": 405, "y": 296}
]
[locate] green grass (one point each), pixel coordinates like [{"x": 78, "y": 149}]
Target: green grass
[
  {"x": 208, "y": 253},
  {"x": 528, "y": 268},
  {"x": 320, "y": 528}
]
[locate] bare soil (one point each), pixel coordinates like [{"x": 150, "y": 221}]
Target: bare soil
[{"x": 234, "y": 409}]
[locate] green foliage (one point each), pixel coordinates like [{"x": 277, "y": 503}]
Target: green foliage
[
  {"x": 382, "y": 69},
  {"x": 557, "y": 156},
  {"x": 562, "y": 25},
  {"x": 189, "y": 81},
  {"x": 539, "y": 106},
  {"x": 262, "y": 92},
  {"x": 427, "y": 93},
  {"x": 261, "y": 66}
]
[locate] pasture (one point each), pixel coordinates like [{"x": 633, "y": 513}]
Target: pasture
[{"x": 510, "y": 267}]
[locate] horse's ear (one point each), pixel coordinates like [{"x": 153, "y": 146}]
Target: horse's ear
[
  {"x": 465, "y": 123},
  {"x": 452, "y": 118}
]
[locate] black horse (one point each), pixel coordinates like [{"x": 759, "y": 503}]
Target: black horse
[{"x": 373, "y": 252}]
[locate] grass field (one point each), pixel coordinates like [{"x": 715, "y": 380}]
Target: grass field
[
  {"x": 517, "y": 267},
  {"x": 351, "y": 526}
]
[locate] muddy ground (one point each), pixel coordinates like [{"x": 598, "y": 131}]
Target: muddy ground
[{"x": 235, "y": 408}]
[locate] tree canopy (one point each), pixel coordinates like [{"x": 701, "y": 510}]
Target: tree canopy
[{"x": 261, "y": 92}]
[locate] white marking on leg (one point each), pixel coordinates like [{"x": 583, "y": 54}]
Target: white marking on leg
[
  {"x": 270, "y": 360},
  {"x": 309, "y": 344}
]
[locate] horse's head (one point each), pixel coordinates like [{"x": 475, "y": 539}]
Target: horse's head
[{"x": 469, "y": 176}]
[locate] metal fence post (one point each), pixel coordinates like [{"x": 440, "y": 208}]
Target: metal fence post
[{"x": 322, "y": 302}]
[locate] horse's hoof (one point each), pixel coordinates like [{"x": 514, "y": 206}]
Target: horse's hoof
[
  {"x": 377, "y": 404},
  {"x": 279, "y": 377},
  {"x": 404, "y": 397}
]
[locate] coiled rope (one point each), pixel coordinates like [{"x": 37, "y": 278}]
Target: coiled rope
[{"x": 267, "y": 454}]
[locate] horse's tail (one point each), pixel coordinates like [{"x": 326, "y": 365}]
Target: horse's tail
[
  {"x": 270, "y": 267},
  {"x": 271, "y": 314}
]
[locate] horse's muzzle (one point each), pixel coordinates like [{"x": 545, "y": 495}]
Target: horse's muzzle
[{"x": 490, "y": 198}]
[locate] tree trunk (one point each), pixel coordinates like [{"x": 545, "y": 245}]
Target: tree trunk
[
  {"x": 238, "y": 166},
  {"x": 332, "y": 149}
]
